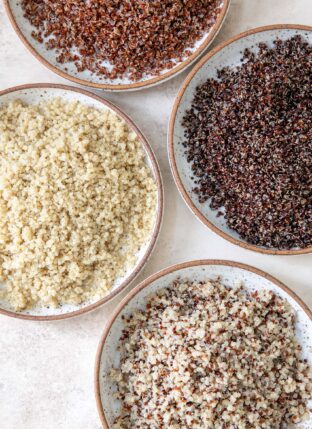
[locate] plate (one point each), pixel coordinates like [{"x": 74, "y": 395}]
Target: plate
[
  {"x": 253, "y": 279},
  {"x": 33, "y": 94},
  {"x": 68, "y": 71},
  {"x": 228, "y": 54}
]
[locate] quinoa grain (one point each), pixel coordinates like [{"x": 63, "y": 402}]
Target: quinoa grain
[
  {"x": 117, "y": 39},
  {"x": 248, "y": 137},
  {"x": 205, "y": 356},
  {"x": 77, "y": 201}
]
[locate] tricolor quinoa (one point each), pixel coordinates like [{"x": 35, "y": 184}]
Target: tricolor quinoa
[{"x": 205, "y": 356}]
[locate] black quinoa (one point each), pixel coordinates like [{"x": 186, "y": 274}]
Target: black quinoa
[{"x": 248, "y": 136}]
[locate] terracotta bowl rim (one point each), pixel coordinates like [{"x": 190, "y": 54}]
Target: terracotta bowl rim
[
  {"x": 162, "y": 273},
  {"x": 129, "y": 86},
  {"x": 171, "y": 141},
  {"x": 159, "y": 212}
]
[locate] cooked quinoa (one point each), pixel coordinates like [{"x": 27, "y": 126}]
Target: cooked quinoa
[
  {"x": 206, "y": 356},
  {"x": 248, "y": 139},
  {"x": 77, "y": 201}
]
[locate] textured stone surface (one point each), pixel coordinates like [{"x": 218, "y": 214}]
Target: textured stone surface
[{"x": 46, "y": 369}]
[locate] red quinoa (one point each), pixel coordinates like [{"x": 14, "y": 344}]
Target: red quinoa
[
  {"x": 138, "y": 38},
  {"x": 249, "y": 140}
]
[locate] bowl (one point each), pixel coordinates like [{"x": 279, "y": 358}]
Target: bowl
[
  {"x": 108, "y": 355},
  {"x": 34, "y": 94},
  {"x": 228, "y": 54},
  {"x": 68, "y": 71}
]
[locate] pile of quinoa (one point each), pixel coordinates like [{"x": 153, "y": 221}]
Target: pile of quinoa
[
  {"x": 205, "y": 356},
  {"x": 117, "y": 39},
  {"x": 77, "y": 201},
  {"x": 248, "y": 137}
]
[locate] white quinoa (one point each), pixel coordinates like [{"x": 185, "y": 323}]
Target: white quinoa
[
  {"x": 205, "y": 356},
  {"x": 77, "y": 201}
]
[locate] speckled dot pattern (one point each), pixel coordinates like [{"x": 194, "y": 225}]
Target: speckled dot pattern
[
  {"x": 229, "y": 56},
  {"x": 230, "y": 276},
  {"x": 34, "y": 96},
  {"x": 69, "y": 68}
]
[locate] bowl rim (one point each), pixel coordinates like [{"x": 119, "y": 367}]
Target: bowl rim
[
  {"x": 129, "y": 86},
  {"x": 171, "y": 142},
  {"x": 145, "y": 283},
  {"x": 159, "y": 211}
]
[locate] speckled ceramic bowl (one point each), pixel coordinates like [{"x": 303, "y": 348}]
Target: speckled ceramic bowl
[
  {"x": 228, "y": 54},
  {"x": 34, "y": 94},
  {"x": 231, "y": 272},
  {"x": 68, "y": 71}
]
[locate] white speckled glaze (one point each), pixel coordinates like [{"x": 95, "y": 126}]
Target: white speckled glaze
[
  {"x": 90, "y": 79},
  {"x": 231, "y": 273},
  {"x": 34, "y": 95},
  {"x": 229, "y": 56}
]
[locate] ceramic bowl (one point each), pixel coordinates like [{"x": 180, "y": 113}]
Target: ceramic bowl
[
  {"x": 253, "y": 279},
  {"x": 68, "y": 71},
  {"x": 228, "y": 54},
  {"x": 34, "y": 94}
]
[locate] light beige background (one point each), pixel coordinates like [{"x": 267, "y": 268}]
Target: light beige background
[{"x": 46, "y": 369}]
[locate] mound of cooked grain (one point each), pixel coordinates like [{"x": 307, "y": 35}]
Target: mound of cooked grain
[
  {"x": 205, "y": 356},
  {"x": 77, "y": 201}
]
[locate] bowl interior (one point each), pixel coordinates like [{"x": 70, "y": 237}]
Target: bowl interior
[
  {"x": 70, "y": 70},
  {"x": 229, "y": 56},
  {"x": 34, "y": 96},
  {"x": 110, "y": 355}
]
